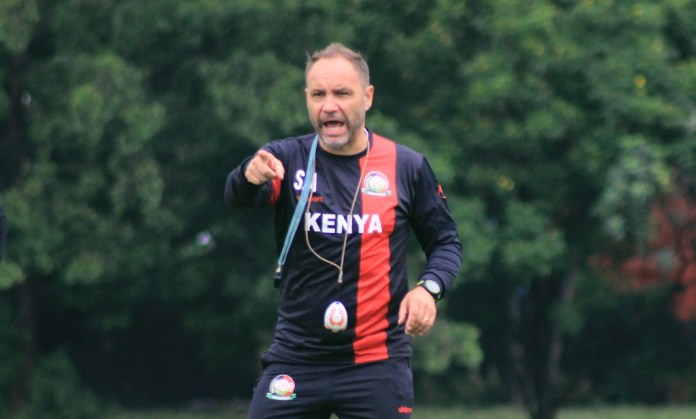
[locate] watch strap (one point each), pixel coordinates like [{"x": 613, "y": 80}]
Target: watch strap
[{"x": 437, "y": 296}]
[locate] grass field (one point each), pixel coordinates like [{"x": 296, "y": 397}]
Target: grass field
[{"x": 622, "y": 412}]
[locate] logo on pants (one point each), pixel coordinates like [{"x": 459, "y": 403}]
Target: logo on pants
[{"x": 282, "y": 388}]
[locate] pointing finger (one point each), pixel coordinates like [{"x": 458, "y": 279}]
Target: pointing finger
[
  {"x": 263, "y": 167},
  {"x": 270, "y": 161}
]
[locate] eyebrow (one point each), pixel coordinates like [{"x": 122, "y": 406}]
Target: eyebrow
[{"x": 334, "y": 90}]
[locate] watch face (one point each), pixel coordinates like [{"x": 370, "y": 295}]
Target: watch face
[{"x": 432, "y": 286}]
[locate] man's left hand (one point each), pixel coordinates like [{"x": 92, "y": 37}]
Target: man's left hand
[{"x": 418, "y": 311}]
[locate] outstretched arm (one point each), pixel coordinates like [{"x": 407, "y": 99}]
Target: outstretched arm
[
  {"x": 264, "y": 167},
  {"x": 255, "y": 181}
]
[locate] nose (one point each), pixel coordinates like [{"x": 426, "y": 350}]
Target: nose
[{"x": 330, "y": 104}]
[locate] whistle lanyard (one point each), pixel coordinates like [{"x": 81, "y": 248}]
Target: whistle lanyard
[{"x": 299, "y": 210}]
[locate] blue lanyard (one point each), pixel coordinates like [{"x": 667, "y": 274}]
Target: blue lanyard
[{"x": 299, "y": 209}]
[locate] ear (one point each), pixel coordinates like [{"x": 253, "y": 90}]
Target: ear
[{"x": 369, "y": 93}]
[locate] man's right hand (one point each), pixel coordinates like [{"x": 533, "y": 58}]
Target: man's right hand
[{"x": 264, "y": 167}]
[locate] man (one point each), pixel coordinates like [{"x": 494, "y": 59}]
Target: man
[{"x": 345, "y": 312}]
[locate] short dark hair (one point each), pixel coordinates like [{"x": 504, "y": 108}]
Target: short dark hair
[{"x": 337, "y": 49}]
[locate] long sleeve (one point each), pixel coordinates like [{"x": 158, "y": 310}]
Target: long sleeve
[
  {"x": 239, "y": 193},
  {"x": 435, "y": 229}
]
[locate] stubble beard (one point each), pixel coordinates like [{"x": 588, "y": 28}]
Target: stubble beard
[{"x": 339, "y": 143}]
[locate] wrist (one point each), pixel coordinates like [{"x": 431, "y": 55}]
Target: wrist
[{"x": 432, "y": 286}]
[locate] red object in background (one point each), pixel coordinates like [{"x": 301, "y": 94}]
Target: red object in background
[{"x": 670, "y": 254}]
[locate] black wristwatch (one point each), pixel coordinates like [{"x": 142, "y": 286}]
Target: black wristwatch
[{"x": 432, "y": 286}]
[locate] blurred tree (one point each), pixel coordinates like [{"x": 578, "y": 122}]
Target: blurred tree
[
  {"x": 561, "y": 118},
  {"x": 86, "y": 189},
  {"x": 126, "y": 117},
  {"x": 553, "y": 124}
]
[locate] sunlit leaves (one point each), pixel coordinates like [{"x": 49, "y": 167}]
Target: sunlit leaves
[
  {"x": 17, "y": 21},
  {"x": 86, "y": 268},
  {"x": 634, "y": 183},
  {"x": 479, "y": 237},
  {"x": 449, "y": 343},
  {"x": 532, "y": 247},
  {"x": 10, "y": 275},
  {"x": 278, "y": 107}
]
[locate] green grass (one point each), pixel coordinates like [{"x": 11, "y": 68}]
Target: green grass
[
  {"x": 620, "y": 412},
  {"x": 671, "y": 412}
]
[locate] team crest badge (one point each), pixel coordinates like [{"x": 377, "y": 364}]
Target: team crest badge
[
  {"x": 376, "y": 183},
  {"x": 282, "y": 388},
  {"x": 336, "y": 317}
]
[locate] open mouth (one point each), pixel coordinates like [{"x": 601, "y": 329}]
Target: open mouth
[
  {"x": 332, "y": 124},
  {"x": 333, "y": 127}
]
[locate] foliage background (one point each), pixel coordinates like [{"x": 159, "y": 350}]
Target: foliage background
[{"x": 557, "y": 127}]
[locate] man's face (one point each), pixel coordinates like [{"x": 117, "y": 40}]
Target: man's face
[{"x": 337, "y": 102}]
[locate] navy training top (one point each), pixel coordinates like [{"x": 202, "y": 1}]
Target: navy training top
[{"x": 398, "y": 190}]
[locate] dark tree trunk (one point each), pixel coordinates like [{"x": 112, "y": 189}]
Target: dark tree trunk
[
  {"x": 20, "y": 99},
  {"x": 27, "y": 327},
  {"x": 535, "y": 342}
]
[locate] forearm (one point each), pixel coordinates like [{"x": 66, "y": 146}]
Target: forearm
[
  {"x": 240, "y": 193},
  {"x": 443, "y": 263}
]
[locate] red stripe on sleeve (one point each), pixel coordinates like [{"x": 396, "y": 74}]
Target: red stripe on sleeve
[
  {"x": 276, "y": 191},
  {"x": 370, "y": 342}
]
